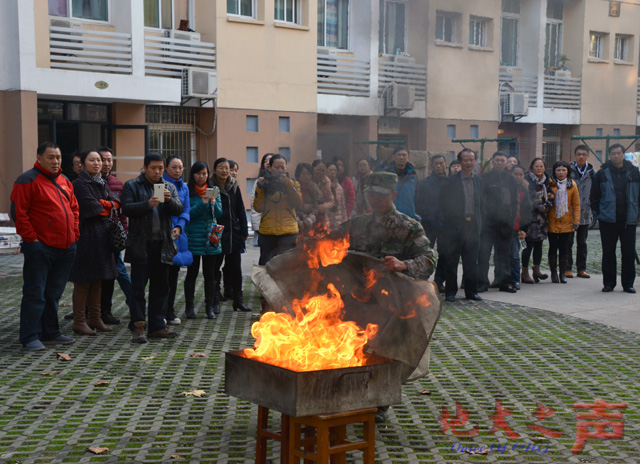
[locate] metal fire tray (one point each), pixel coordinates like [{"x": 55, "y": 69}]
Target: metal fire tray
[{"x": 300, "y": 394}]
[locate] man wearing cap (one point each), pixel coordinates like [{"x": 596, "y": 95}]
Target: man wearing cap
[{"x": 388, "y": 234}]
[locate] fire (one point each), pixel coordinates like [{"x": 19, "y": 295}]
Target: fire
[
  {"x": 326, "y": 252},
  {"x": 315, "y": 339}
]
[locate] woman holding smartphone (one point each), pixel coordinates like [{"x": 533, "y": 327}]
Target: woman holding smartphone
[
  {"x": 205, "y": 209},
  {"x": 235, "y": 233}
]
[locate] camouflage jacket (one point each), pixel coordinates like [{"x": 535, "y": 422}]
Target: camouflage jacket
[{"x": 396, "y": 235}]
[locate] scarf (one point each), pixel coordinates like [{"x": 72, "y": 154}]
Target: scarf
[
  {"x": 562, "y": 200},
  {"x": 581, "y": 171},
  {"x": 200, "y": 191}
]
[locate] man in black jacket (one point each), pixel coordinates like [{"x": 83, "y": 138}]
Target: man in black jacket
[
  {"x": 150, "y": 247},
  {"x": 461, "y": 205},
  {"x": 427, "y": 203},
  {"x": 500, "y": 211}
]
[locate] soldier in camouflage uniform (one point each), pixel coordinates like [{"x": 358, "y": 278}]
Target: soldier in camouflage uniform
[{"x": 388, "y": 234}]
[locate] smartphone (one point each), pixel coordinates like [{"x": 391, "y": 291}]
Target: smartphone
[
  {"x": 158, "y": 191},
  {"x": 212, "y": 192}
]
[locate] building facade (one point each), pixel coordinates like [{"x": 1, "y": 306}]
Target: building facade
[{"x": 312, "y": 78}]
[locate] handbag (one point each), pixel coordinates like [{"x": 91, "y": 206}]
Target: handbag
[
  {"x": 215, "y": 232},
  {"x": 117, "y": 234}
]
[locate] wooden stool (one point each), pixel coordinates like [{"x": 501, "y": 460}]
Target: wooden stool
[
  {"x": 263, "y": 434},
  {"x": 325, "y": 437}
]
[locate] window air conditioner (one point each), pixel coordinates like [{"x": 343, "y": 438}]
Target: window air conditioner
[
  {"x": 403, "y": 59},
  {"x": 323, "y": 51},
  {"x": 401, "y": 97},
  {"x": 66, "y": 23},
  {"x": 70, "y": 25},
  {"x": 516, "y": 104},
  {"x": 199, "y": 83},
  {"x": 182, "y": 35}
]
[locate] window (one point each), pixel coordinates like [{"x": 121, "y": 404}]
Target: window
[
  {"x": 478, "y": 28},
  {"x": 245, "y": 8},
  {"x": 284, "y": 124},
  {"x": 158, "y": 14},
  {"x": 393, "y": 27},
  {"x": 172, "y": 131},
  {"x": 446, "y": 26},
  {"x": 333, "y": 23},
  {"x": 599, "y": 132},
  {"x": 286, "y": 152},
  {"x": 596, "y": 41},
  {"x": 288, "y": 11},
  {"x": 451, "y": 131},
  {"x": 509, "y": 39},
  {"x": 616, "y": 132},
  {"x": 84, "y": 9},
  {"x": 474, "y": 131},
  {"x": 252, "y": 123},
  {"x": 622, "y": 47},
  {"x": 553, "y": 47},
  {"x": 253, "y": 155}
]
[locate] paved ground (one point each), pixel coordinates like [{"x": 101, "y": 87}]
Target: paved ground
[{"x": 507, "y": 351}]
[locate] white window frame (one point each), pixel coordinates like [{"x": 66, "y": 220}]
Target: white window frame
[
  {"x": 80, "y": 18},
  {"x": 324, "y": 38},
  {"x": 557, "y": 24},
  {"x": 254, "y": 11},
  {"x": 173, "y": 19},
  {"x": 447, "y": 16},
  {"x": 599, "y": 45},
  {"x": 516, "y": 17},
  {"x": 383, "y": 26},
  {"x": 297, "y": 11},
  {"x": 481, "y": 26},
  {"x": 621, "y": 51}
]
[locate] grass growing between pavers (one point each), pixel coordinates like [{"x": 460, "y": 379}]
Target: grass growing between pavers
[{"x": 481, "y": 354}]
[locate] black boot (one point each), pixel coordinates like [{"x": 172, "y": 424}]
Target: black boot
[
  {"x": 189, "y": 295},
  {"x": 563, "y": 269},
  {"x": 108, "y": 317},
  {"x": 553, "y": 267},
  {"x": 211, "y": 299},
  {"x": 238, "y": 302}
]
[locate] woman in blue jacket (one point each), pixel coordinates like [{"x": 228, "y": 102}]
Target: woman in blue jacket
[
  {"x": 204, "y": 240},
  {"x": 173, "y": 174}
]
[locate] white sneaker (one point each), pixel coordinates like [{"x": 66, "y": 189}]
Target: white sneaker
[{"x": 175, "y": 321}]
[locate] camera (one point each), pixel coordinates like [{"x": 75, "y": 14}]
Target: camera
[{"x": 272, "y": 183}]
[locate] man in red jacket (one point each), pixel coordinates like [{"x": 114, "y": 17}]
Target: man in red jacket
[{"x": 45, "y": 212}]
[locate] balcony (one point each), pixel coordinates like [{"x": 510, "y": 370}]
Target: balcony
[
  {"x": 168, "y": 56},
  {"x": 87, "y": 50},
  {"x": 411, "y": 74},
  {"x": 562, "y": 92},
  {"x": 343, "y": 75},
  {"x": 521, "y": 83}
]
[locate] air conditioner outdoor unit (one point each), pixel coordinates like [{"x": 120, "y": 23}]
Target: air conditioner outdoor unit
[
  {"x": 323, "y": 51},
  {"x": 66, "y": 23},
  {"x": 401, "y": 97},
  {"x": 199, "y": 83},
  {"x": 516, "y": 104},
  {"x": 403, "y": 59},
  {"x": 183, "y": 35}
]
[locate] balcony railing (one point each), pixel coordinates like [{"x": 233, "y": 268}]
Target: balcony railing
[
  {"x": 562, "y": 92},
  {"x": 86, "y": 50},
  {"x": 167, "y": 57},
  {"x": 521, "y": 83},
  {"x": 414, "y": 75},
  {"x": 342, "y": 75}
]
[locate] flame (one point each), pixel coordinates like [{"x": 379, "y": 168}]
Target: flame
[
  {"x": 412, "y": 307},
  {"x": 363, "y": 293},
  {"x": 325, "y": 252},
  {"x": 315, "y": 339}
]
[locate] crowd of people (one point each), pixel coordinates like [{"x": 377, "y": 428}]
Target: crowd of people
[{"x": 506, "y": 211}]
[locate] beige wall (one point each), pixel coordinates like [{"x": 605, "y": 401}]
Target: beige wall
[
  {"x": 609, "y": 89},
  {"x": 261, "y": 65},
  {"x": 437, "y": 141},
  {"x": 463, "y": 83},
  {"x": 128, "y": 142},
  {"x": 232, "y": 140},
  {"x": 18, "y": 126}
]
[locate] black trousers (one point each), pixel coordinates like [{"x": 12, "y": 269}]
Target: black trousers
[
  {"x": 498, "y": 236},
  {"x": 610, "y": 233},
  {"x": 462, "y": 242},
  {"x": 273, "y": 245},
  {"x": 559, "y": 244},
  {"x": 435, "y": 238},
  {"x": 233, "y": 266},
  {"x": 156, "y": 273},
  {"x": 581, "y": 251},
  {"x": 209, "y": 265},
  {"x": 536, "y": 249}
]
